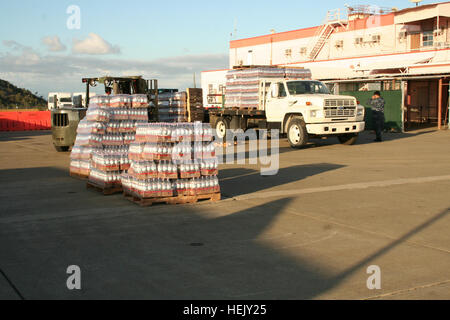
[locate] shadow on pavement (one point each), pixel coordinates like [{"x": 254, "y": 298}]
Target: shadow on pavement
[
  {"x": 24, "y": 135},
  {"x": 165, "y": 252},
  {"x": 240, "y": 181},
  {"x": 368, "y": 137}
]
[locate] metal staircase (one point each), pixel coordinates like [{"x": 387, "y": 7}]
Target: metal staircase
[
  {"x": 321, "y": 39},
  {"x": 334, "y": 19}
]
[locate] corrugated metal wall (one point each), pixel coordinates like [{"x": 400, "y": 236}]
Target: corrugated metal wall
[{"x": 393, "y": 108}]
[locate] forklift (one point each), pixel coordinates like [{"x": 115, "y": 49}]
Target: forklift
[{"x": 65, "y": 120}]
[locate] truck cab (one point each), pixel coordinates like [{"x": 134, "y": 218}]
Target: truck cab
[
  {"x": 59, "y": 100},
  {"x": 306, "y": 109}
]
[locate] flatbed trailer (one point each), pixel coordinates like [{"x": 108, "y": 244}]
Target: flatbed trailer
[{"x": 301, "y": 109}]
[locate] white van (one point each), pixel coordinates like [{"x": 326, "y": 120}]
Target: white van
[
  {"x": 59, "y": 100},
  {"x": 76, "y": 97}
]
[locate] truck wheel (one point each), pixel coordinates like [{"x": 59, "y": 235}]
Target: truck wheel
[
  {"x": 296, "y": 133},
  {"x": 222, "y": 125},
  {"x": 62, "y": 149},
  {"x": 348, "y": 139}
]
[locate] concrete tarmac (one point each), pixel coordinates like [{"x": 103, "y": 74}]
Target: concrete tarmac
[{"x": 309, "y": 232}]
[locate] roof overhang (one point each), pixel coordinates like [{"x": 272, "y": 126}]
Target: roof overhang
[
  {"x": 422, "y": 13},
  {"x": 394, "y": 66},
  {"x": 388, "y": 77}
]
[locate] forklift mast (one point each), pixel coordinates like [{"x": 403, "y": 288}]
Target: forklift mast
[{"x": 128, "y": 85}]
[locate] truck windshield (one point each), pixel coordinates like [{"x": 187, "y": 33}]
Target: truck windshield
[{"x": 307, "y": 87}]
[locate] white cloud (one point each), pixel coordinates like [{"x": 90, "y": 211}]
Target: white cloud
[
  {"x": 13, "y": 45},
  {"x": 25, "y": 56},
  {"x": 54, "y": 44},
  {"x": 30, "y": 70},
  {"x": 94, "y": 45}
]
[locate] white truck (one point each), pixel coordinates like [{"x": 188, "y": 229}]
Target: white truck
[
  {"x": 59, "y": 100},
  {"x": 302, "y": 109},
  {"x": 79, "y": 98}
]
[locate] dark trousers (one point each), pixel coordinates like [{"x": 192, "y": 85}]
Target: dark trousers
[{"x": 378, "y": 122}]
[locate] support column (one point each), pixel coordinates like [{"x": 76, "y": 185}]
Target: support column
[
  {"x": 404, "y": 87},
  {"x": 440, "y": 105}
]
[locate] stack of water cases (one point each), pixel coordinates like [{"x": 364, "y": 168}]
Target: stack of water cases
[
  {"x": 242, "y": 89},
  {"x": 172, "y": 162},
  {"x": 172, "y": 107},
  {"x": 89, "y": 140},
  {"x": 105, "y": 135}
]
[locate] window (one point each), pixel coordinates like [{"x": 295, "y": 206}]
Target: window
[
  {"x": 391, "y": 85},
  {"x": 369, "y": 86},
  {"x": 427, "y": 38},
  {"x": 51, "y": 100},
  {"x": 307, "y": 87},
  {"x": 65, "y": 100},
  {"x": 288, "y": 52},
  {"x": 346, "y": 87},
  {"x": 303, "y": 51},
  {"x": 282, "y": 90},
  {"x": 250, "y": 57},
  {"x": 211, "y": 89}
]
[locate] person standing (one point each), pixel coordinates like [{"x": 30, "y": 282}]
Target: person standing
[{"x": 377, "y": 104}]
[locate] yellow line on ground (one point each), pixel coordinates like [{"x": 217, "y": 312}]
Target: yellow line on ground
[
  {"x": 353, "y": 186},
  {"x": 398, "y": 292}
]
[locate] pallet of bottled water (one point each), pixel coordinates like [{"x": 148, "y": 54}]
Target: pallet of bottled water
[
  {"x": 100, "y": 154},
  {"x": 173, "y": 164}
]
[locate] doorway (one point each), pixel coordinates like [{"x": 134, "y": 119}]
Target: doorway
[{"x": 423, "y": 102}]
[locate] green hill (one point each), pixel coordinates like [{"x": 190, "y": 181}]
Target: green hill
[{"x": 12, "y": 97}]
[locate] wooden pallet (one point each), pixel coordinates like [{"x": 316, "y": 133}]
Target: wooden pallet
[
  {"x": 194, "y": 105},
  {"x": 79, "y": 176},
  {"x": 213, "y": 197},
  {"x": 104, "y": 191}
]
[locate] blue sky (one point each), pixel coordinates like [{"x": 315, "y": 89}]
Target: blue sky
[{"x": 173, "y": 38}]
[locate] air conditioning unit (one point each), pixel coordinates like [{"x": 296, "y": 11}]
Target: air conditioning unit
[
  {"x": 339, "y": 44},
  {"x": 402, "y": 35},
  {"x": 376, "y": 38},
  {"x": 359, "y": 40}
]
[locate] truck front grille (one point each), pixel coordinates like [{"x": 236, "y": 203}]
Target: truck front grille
[
  {"x": 60, "y": 120},
  {"x": 340, "y": 103},
  {"x": 345, "y": 112}
]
